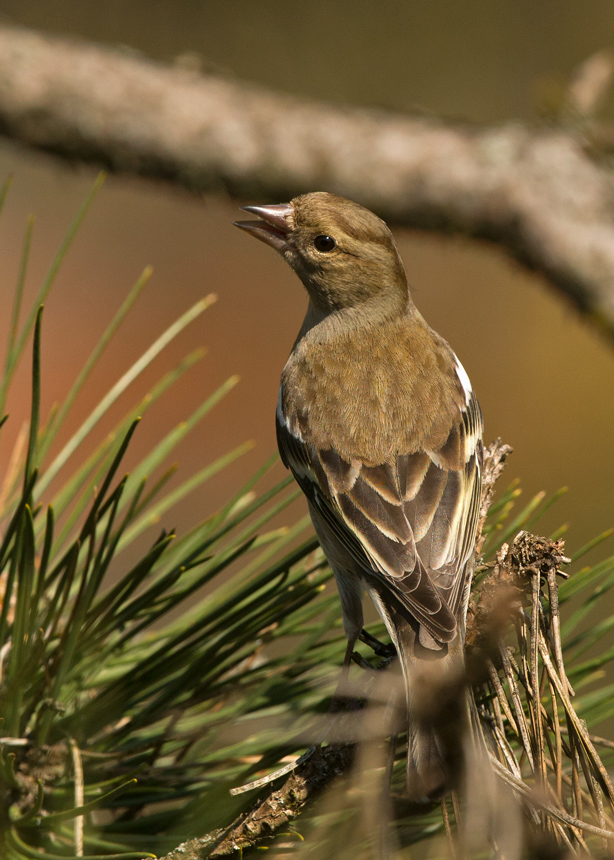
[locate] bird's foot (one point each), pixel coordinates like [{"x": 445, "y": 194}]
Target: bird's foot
[
  {"x": 362, "y": 661},
  {"x": 379, "y": 648}
]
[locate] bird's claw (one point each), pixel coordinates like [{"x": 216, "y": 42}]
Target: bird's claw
[{"x": 379, "y": 648}]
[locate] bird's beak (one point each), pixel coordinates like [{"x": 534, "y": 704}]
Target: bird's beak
[{"x": 276, "y": 222}]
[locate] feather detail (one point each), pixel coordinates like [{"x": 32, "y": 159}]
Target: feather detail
[
  {"x": 409, "y": 522},
  {"x": 384, "y": 479},
  {"x": 390, "y": 518},
  {"x": 411, "y": 469},
  {"x": 340, "y": 474}
]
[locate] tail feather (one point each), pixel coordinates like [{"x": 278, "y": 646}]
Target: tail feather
[
  {"x": 437, "y": 704},
  {"x": 438, "y": 720},
  {"x": 426, "y": 772}
]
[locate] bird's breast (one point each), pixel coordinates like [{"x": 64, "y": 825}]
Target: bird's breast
[{"x": 372, "y": 397}]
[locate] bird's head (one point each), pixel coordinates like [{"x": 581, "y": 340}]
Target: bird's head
[{"x": 343, "y": 253}]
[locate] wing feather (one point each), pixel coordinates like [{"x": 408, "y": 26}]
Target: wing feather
[
  {"x": 410, "y": 523},
  {"x": 390, "y": 518}
]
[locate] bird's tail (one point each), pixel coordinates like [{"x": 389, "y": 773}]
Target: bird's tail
[
  {"x": 437, "y": 725},
  {"x": 438, "y": 713}
]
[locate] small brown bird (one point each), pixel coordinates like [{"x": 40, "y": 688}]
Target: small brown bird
[{"x": 378, "y": 422}]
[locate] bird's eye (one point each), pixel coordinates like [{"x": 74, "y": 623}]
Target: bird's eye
[{"x": 324, "y": 243}]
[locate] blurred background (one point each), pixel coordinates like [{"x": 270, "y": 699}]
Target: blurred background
[{"x": 544, "y": 379}]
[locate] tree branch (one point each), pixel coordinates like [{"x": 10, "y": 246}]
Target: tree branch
[{"x": 538, "y": 193}]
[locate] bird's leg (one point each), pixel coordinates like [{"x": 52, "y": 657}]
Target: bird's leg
[
  {"x": 347, "y": 660},
  {"x": 340, "y": 696}
]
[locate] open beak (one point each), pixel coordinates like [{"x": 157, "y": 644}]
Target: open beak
[{"x": 275, "y": 223}]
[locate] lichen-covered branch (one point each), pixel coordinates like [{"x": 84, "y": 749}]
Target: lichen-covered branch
[
  {"x": 278, "y": 808},
  {"x": 535, "y": 191},
  {"x": 281, "y": 807}
]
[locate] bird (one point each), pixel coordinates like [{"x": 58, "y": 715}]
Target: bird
[{"x": 379, "y": 424}]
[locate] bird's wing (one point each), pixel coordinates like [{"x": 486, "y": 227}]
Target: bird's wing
[{"x": 412, "y": 521}]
